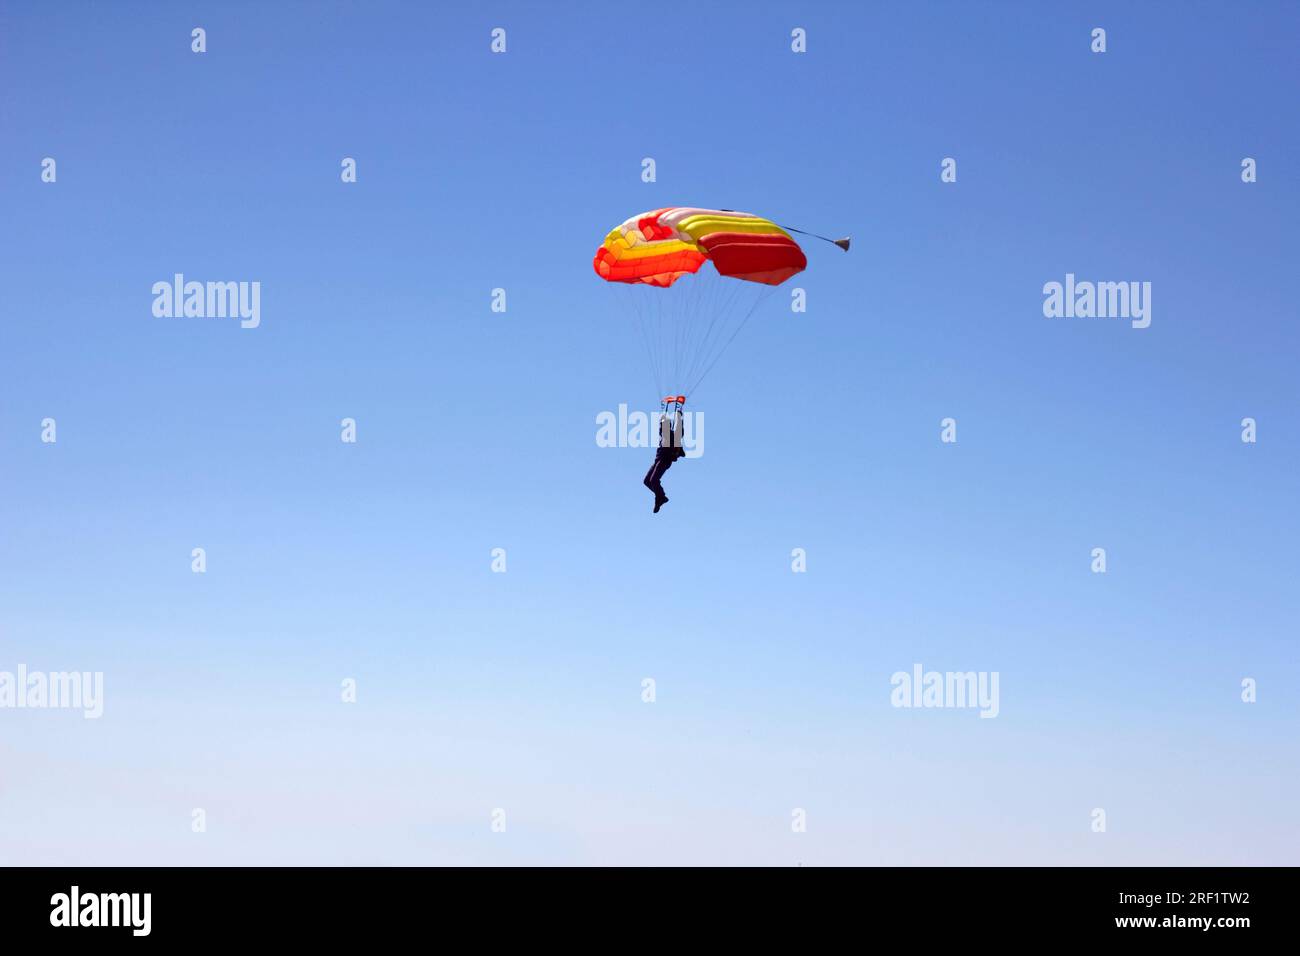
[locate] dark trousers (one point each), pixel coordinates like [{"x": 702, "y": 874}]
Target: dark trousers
[{"x": 656, "y": 472}]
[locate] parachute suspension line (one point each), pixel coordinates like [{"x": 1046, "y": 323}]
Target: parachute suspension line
[
  {"x": 690, "y": 301},
  {"x": 702, "y": 294},
  {"x": 686, "y": 335},
  {"x": 666, "y": 329},
  {"x": 740, "y": 293},
  {"x": 693, "y": 303},
  {"x": 643, "y": 330},
  {"x": 729, "y": 310},
  {"x": 696, "y": 341},
  {"x": 656, "y": 307},
  {"x": 701, "y": 302},
  {"x": 694, "y": 300},
  {"x": 743, "y": 322},
  {"x": 723, "y": 310},
  {"x": 642, "y": 309},
  {"x": 686, "y": 329},
  {"x": 711, "y": 353}
]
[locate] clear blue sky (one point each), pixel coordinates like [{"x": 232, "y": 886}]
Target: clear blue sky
[{"x": 477, "y": 431}]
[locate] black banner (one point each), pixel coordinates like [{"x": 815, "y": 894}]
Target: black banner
[{"x": 203, "y": 906}]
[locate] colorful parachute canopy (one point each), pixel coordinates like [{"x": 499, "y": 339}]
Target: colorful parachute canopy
[{"x": 659, "y": 247}]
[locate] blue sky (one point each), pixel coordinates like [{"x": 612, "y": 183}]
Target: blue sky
[{"x": 477, "y": 431}]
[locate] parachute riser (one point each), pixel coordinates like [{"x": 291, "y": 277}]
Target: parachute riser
[{"x": 671, "y": 405}]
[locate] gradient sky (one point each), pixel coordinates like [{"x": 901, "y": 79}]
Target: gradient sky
[{"x": 477, "y": 431}]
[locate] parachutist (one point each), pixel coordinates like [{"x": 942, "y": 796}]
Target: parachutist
[{"x": 670, "y": 449}]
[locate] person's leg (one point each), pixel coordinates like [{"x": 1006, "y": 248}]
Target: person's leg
[
  {"x": 660, "y": 468},
  {"x": 651, "y": 479}
]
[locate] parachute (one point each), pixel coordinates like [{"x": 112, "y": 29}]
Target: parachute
[
  {"x": 688, "y": 315},
  {"x": 660, "y": 247}
]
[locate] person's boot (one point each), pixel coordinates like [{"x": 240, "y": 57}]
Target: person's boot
[{"x": 660, "y": 502}]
